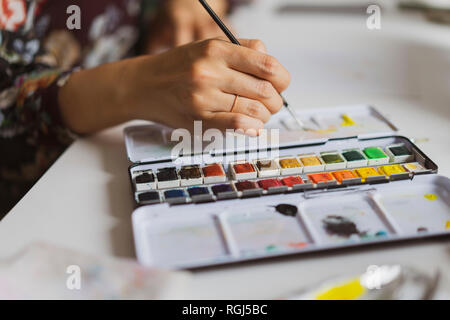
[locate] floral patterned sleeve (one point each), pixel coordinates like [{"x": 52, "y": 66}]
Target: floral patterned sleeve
[
  {"x": 37, "y": 53},
  {"x": 30, "y": 67}
]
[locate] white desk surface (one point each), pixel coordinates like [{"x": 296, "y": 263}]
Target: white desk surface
[{"x": 84, "y": 200}]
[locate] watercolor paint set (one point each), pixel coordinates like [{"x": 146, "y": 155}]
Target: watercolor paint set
[{"x": 349, "y": 182}]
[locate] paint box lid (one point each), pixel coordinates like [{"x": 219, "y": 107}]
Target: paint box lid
[{"x": 153, "y": 142}]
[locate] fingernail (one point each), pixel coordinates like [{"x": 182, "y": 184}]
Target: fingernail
[{"x": 251, "y": 132}]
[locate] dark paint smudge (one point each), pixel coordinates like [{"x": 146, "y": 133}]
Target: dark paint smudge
[
  {"x": 340, "y": 226},
  {"x": 287, "y": 209}
]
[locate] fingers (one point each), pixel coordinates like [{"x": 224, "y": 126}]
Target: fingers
[
  {"x": 212, "y": 101},
  {"x": 246, "y": 114},
  {"x": 254, "y": 44},
  {"x": 251, "y": 108},
  {"x": 231, "y": 120},
  {"x": 252, "y": 88},
  {"x": 214, "y": 71},
  {"x": 259, "y": 64}
]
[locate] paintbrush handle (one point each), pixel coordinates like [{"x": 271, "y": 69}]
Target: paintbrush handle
[{"x": 220, "y": 23}]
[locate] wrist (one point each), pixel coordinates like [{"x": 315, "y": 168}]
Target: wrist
[
  {"x": 94, "y": 99},
  {"x": 128, "y": 85},
  {"x": 122, "y": 86},
  {"x": 140, "y": 96}
]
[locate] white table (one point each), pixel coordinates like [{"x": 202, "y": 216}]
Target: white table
[{"x": 84, "y": 201}]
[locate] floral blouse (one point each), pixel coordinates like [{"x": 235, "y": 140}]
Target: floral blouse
[{"x": 37, "y": 52}]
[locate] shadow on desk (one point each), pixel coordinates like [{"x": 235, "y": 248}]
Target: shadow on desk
[{"x": 115, "y": 163}]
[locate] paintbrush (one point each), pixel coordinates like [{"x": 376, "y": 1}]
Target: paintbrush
[{"x": 234, "y": 40}]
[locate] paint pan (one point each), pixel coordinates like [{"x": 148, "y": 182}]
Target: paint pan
[
  {"x": 243, "y": 170},
  {"x": 292, "y": 181},
  {"x": 346, "y": 177},
  {"x": 272, "y": 185},
  {"x": 333, "y": 160},
  {"x": 149, "y": 197},
  {"x": 420, "y": 208},
  {"x": 167, "y": 178},
  {"x": 290, "y": 165},
  {"x": 368, "y": 173},
  {"x": 248, "y": 188},
  {"x": 267, "y": 168},
  {"x": 190, "y": 175},
  {"x": 213, "y": 173},
  {"x": 200, "y": 194},
  {"x": 184, "y": 241},
  {"x": 376, "y": 156},
  {"x": 224, "y": 191},
  {"x": 311, "y": 163},
  {"x": 220, "y": 188},
  {"x": 399, "y": 153},
  {"x": 266, "y": 231},
  {"x": 245, "y": 185},
  {"x": 269, "y": 183},
  {"x": 175, "y": 196},
  {"x": 392, "y": 169},
  {"x": 321, "y": 177},
  {"x": 144, "y": 180},
  {"x": 414, "y": 167},
  {"x": 348, "y": 218},
  {"x": 355, "y": 158},
  {"x": 197, "y": 191}
]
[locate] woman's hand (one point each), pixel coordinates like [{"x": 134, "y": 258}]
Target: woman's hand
[
  {"x": 198, "y": 81},
  {"x": 182, "y": 21}
]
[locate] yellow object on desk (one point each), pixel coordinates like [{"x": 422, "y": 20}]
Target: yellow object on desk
[{"x": 350, "y": 290}]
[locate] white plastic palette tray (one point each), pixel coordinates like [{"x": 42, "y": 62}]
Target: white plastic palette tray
[
  {"x": 240, "y": 230},
  {"x": 410, "y": 205}
]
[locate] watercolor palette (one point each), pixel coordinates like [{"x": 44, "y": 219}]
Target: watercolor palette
[
  {"x": 295, "y": 223},
  {"x": 293, "y": 168},
  {"x": 349, "y": 183}
]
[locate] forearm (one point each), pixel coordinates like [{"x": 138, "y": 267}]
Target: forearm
[{"x": 94, "y": 99}]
